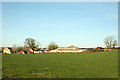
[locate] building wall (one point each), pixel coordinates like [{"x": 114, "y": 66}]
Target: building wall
[{"x": 67, "y": 50}]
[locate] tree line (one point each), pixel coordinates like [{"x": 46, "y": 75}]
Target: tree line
[
  {"x": 31, "y": 43},
  {"x": 109, "y": 41}
]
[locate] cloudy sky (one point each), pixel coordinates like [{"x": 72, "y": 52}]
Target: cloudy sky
[{"x": 83, "y": 24}]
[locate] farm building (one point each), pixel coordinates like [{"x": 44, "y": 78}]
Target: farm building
[
  {"x": 6, "y": 51},
  {"x": 100, "y": 48},
  {"x": 68, "y": 49},
  {"x": 42, "y": 50},
  {"x": 107, "y": 49}
]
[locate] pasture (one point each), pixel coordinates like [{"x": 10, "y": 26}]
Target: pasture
[{"x": 61, "y": 65}]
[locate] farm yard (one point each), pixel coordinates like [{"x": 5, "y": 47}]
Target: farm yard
[{"x": 61, "y": 65}]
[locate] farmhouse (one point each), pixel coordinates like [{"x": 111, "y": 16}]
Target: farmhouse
[
  {"x": 68, "y": 49},
  {"x": 6, "y": 51}
]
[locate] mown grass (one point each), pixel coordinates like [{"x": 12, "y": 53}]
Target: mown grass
[{"x": 61, "y": 65}]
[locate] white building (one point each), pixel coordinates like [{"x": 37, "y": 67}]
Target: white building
[
  {"x": 6, "y": 51},
  {"x": 68, "y": 49}
]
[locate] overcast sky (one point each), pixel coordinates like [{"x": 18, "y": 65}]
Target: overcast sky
[{"x": 83, "y": 24}]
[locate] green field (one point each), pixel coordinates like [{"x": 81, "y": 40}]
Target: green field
[{"x": 61, "y": 65}]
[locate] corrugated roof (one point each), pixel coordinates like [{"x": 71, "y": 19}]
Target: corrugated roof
[{"x": 72, "y": 46}]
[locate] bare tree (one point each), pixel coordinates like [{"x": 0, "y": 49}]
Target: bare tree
[
  {"x": 31, "y": 43},
  {"x": 14, "y": 48},
  {"x": 114, "y": 43},
  {"x": 110, "y": 42},
  {"x": 38, "y": 44},
  {"x": 19, "y": 48},
  {"x": 25, "y": 47}
]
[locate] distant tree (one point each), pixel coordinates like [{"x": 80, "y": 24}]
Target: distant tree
[
  {"x": 37, "y": 45},
  {"x": 25, "y": 47},
  {"x": 52, "y": 46},
  {"x": 19, "y": 48},
  {"x": 14, "y": 48},
  {"x": 110, "y": 42},
  {"x": 114, "y": 43},
  {"x": 31, "y": 43}
]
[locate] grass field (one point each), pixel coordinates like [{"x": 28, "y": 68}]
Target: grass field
[{"x": 61, "y": 65}]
